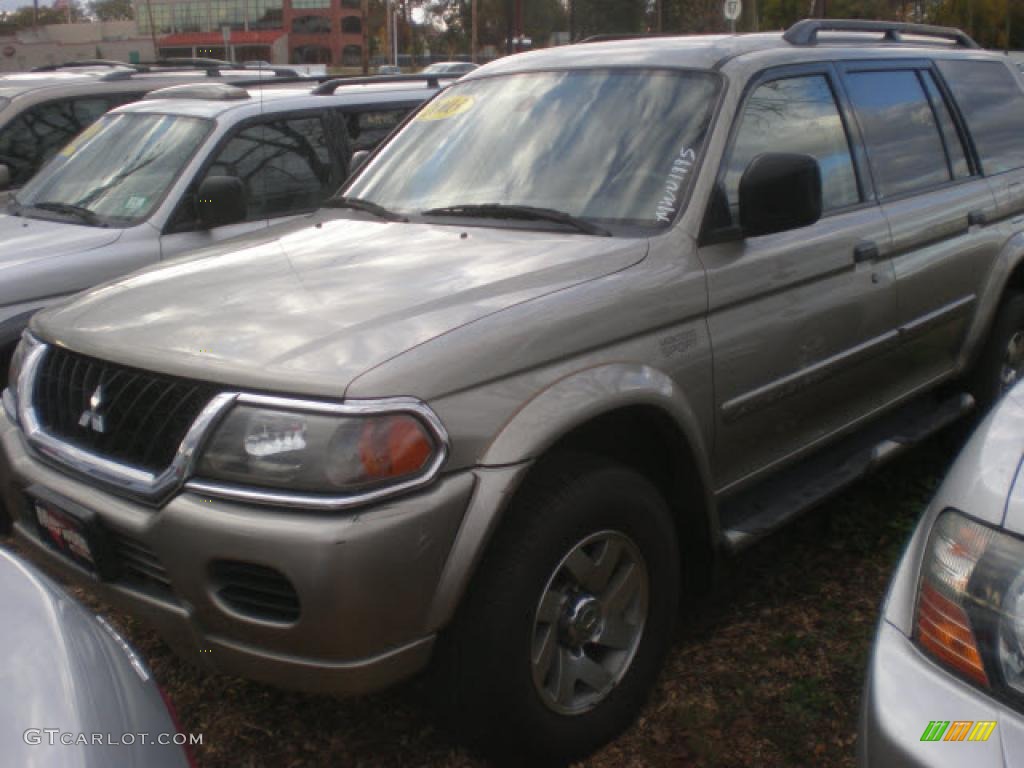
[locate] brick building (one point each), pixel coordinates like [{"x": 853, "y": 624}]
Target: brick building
[{"x": 278, "y": 31}]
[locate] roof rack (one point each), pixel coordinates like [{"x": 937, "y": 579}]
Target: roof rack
[
  {"x": 200, "y": 63},
  {"x": 86, "y": 63},
  {"x": 201, "y": 91},
  {"x": 330, "y": 86},
  {"x": 122, "y": 70},
  {"x": 610, "y": 37},
  {"x": 805, "y": 32}
]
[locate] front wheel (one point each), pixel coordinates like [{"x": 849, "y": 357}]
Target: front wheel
[{"x": 565, "y": 627}]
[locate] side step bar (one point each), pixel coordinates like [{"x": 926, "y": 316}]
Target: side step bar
[{"x": 758, "y": 510}]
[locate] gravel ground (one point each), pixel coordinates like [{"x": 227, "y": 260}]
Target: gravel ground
[{"x": 769, "y": 675}]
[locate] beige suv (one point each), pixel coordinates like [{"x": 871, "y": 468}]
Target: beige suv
[{"x": 591, "y": 319}]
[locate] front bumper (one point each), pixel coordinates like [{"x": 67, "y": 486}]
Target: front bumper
[
  {"x": 905, "y": 691},
  {"x": 367, "y": 582}
]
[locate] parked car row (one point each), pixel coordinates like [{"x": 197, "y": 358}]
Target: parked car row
[
  {"x": 185, "y": 167},
  {"x": 591, "y": 320},
  {"x": 40, "y": 111}
]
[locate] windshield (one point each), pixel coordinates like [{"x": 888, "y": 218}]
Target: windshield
[
  {"x": 610, "y": 146},
  {"x": 117, "y": 170}
]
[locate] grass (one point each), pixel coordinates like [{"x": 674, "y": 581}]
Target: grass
[{"x": 769, "y": 675}]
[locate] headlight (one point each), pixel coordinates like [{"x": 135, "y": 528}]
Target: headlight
[
  {"x": 320, "y": 453},
  {"x": 970, "y": 605}
]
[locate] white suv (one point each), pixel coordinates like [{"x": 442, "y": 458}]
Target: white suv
[{"x": 188, "y": 166}]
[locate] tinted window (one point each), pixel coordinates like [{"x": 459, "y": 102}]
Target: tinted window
[
  {"x": 797, "y": 114},
  {"x": 950, "y": 136},
  {"x": 284, "y": 164},
  {"x": 367, "y": 129},
  {"x": 35, "y": 136},
  {"x": 900, "y": 131},
  {"x": 993, "y": 106}
]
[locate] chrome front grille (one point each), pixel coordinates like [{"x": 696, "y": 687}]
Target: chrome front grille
[{"x": 124, "y": 415}]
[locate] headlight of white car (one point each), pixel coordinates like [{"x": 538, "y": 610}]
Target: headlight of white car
[
  {"x": 970, "y": 603},
  {"x": 305, "y": 451}
]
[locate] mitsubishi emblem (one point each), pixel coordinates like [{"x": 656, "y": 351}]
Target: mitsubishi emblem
[{"x": 91, "y": 417}]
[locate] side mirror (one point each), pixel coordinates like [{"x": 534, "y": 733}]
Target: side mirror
[
  {"x": 358, "y": 158},
  {"x": 221, "y": 201},
  {"x": 5, "y": 176},
  {"x": 779, "y": 192}
]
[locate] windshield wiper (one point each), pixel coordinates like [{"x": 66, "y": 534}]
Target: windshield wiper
[
  {"x": 104, "y": 188},
  {"x": 79, "y": 212},
  {"x": 500, "y": 211},
  {"x": 358, "y": 204}
]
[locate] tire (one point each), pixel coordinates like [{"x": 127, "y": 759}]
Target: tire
[
  {"x": 995, "y": 373},
  {"x": 485, "y": 666}
]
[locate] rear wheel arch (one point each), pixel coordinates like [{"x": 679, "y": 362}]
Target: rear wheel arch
[{"x": 1005, "y": 279}]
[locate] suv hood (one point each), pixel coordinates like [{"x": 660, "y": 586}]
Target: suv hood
[
  {"x": 309, "y": 305},
  {"x": 28, "y": 242}
]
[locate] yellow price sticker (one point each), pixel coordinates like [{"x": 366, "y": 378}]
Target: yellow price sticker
[
  {"x": 79, "y": 140},
  {"x": 450, "y": 106}
]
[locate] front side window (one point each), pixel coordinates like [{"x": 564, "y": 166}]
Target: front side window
[
  {"x": 613, "y": 147},
  {"x": 35, "y": 136},
  {"x": 285, "y": 165},
  {"x": 992, "y": 103},
  {"x": 900, "y": 131},
  {"x": 117, "y": 171},
  {"x": 792, "y": 115}
]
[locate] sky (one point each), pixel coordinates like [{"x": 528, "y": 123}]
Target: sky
[{"x": 10, "y": 5}]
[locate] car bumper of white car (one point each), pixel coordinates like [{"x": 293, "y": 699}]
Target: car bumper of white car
[{"x": 905, "y": 691}]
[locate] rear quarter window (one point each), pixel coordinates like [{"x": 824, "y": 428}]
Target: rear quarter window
[{"x": 993, "y": 106}]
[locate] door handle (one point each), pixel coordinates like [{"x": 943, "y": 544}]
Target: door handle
[
  {"x": 977, "y": 219},
  {"x": 865, "y": 251}
]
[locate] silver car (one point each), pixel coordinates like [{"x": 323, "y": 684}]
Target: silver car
[
  {"x": 40, "y": 111},
  {"x": 72, "y": 691},
  {"x": 946, "y": 679},
  {"x": 592, "y": 319},
  {"x": 186, "y": 167}
]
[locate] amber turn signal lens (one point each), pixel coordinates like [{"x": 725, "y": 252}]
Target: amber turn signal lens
[
  {"x": 394, "y": 446},
  {"x": 944, "y": 630}
]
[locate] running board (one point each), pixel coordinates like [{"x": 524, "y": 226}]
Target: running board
[{"x": 760, "y": 509}]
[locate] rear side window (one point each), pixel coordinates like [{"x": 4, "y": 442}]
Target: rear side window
[
  {"x": 950, "y": 136},
  {"x": 284, "y": 164},
  {"x": 35, "y": 136},
  {"x": 992, "y": 103},
  {"x": 795, "y": 114},
  {"x": 900, "y": 130}
]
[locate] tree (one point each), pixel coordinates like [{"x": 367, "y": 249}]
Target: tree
[
  {"x": 540, "y": 19},
  {"x": 112, "y": 10},
  {"x": 608, "y": 17},
  {"x": 23, "y": 18}
]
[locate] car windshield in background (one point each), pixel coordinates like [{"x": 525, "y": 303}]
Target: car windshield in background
[
  {"x": 615, "y": 147},
  {"x": 116, "y": 171}
]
